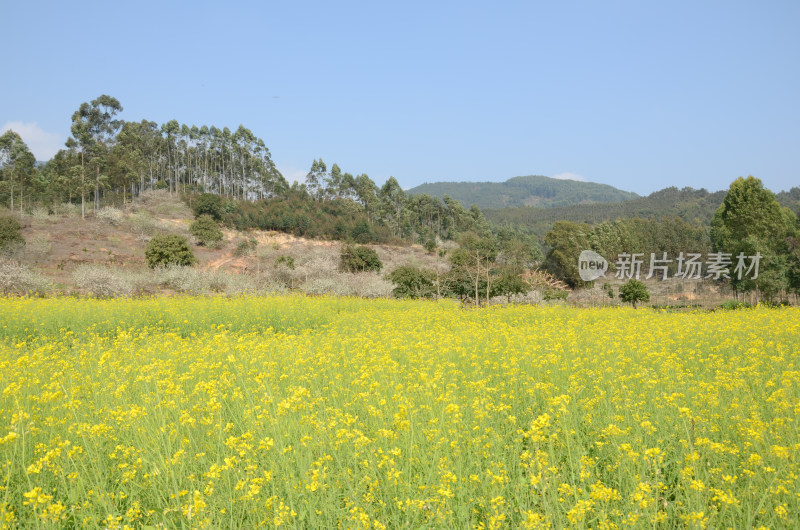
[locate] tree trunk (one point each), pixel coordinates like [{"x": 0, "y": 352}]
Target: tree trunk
[
  {"x": 97, "y": 190},
  {"x": 83, "y": 188}
]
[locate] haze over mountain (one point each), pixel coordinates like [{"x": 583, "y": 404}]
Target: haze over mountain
[{"x": 533, "y": 190}]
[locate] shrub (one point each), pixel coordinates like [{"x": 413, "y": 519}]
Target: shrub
[
  {"x": 411, "y": 282},
  {"x": 142, "y": 224},
  {"x": 67, "y": 209},
  {"x": 286, "y": 261},
  {"x": 10, "y": 234},
  {"x": 161, "y": 185},
  {"x": 369, "y": 285},
  {"x": 188, "y": 280},
  {"x": 550, "y": 294},
  {"x": 634, "y": 291},
  {"x": 359, "y": 259},
  {"x": 208, "y": 204},
  {"x": 102, "y": 282},
  {"x": 111, "y": 215},
  {"x": 169, "y": 249},
  {"x": 245, "y": 248},
  {"x": 16, "y": 278},
  {"x": 40, "y": 214},
  {"x": 361, "y": 231},
  {"x": 206, "y": 230},
  {"x": 731, "y": 305}
]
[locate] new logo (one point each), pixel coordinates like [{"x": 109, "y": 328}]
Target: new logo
[{"x": 591, "y": 265}]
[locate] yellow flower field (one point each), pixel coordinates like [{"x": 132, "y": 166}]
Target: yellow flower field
[{"x": 345, "y": 413}]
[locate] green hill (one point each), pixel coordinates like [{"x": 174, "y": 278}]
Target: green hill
[
  {"x": 533, "y": 190},
  {"x": 693, "y": 206}
]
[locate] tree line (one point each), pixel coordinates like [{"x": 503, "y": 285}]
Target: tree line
[
  {"x": 749, "y": 224},
  {"x": 107, "y": 160}
]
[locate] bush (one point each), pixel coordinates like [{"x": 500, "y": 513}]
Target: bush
[
  {"x": 208, "y": 204},
  {"x": 286, "y": 261},
  {"x": 359, "y": 259},
  {"x": 111, "y": 215},
  {"x": 634, "y": 291},
  {"x": 40, "y": 214},
  {"x": 67, "y": 209},
  {"x": 16, "y": 278},
  {"x": 245, "y": 248},
  {"x": 206, "y": 230},
  {"x": 169, "y": 249},
  {"x": 142, "y": 224},
  {"x": 102, "y": 282},
  {"x": 550, "y": 295},
  {"x": 188, "y": 280},
  {"x": 10, "y": 234},
  {"x": 411, "y": 282},
  {"x": 731, "y": 305}
]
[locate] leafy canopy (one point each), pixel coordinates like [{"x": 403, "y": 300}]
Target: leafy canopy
[
  {"x": 633, "y": 292},
  {"x": 169, "y": 249}
]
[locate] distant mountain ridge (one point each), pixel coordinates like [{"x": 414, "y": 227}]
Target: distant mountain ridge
[
  {"x": 532, "y": 190},
  {"x": 694, "y": 206}
]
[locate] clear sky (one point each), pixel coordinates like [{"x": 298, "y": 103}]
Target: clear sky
[{"x": 637, "y": 94}]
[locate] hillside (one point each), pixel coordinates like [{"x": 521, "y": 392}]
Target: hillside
[
  {"x": 533, "y": 191},
  {"x": 693, "y": 206},
  {"x": 104, "y": 255}
]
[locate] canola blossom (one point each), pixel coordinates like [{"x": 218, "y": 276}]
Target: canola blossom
[{"x": 345, "y": 413}]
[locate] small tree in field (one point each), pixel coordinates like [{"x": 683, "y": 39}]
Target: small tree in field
[
  {"x": 169, "y": 249},
  {"x": 359, "y": 259},
  {"x": 634, "y": 291},
  {"x": 10, "y": 233},
  {"x": 206, "y": 230},
  {"x": 411, "y": 282}
]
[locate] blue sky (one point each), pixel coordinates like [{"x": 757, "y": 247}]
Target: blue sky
[{"x": 639, "y": 95}]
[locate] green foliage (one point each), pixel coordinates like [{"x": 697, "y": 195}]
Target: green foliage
[
  {"x": 550, "y": 295},
  {"x": 695, "y": 207},
  {"x": 208, "y": 204},
  {"x": 10, "y": 233},
  {"x": 161, "y": 185},
  {"x": 358, "y": 258},
  {"x": 286, "y": 261},
  {"x": 299, "y": 215},
  {"x": 509, "y": 283},
  {"x": 731, "y": 305},
  {"x": 750, "y": 220},
  {"x": 473, "y": 273},
  {"x": 206, "y": 230},
  {"x": 633, "y": 292},
  {"x": 412, "y": 282},
  {"x": 566, "y": 241},
  {"x": 245, "y": 248},
  {"x": 533, "y": 190},
  {"x": 169, "y": 249},
  {"x": 361, "y": 232}
]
